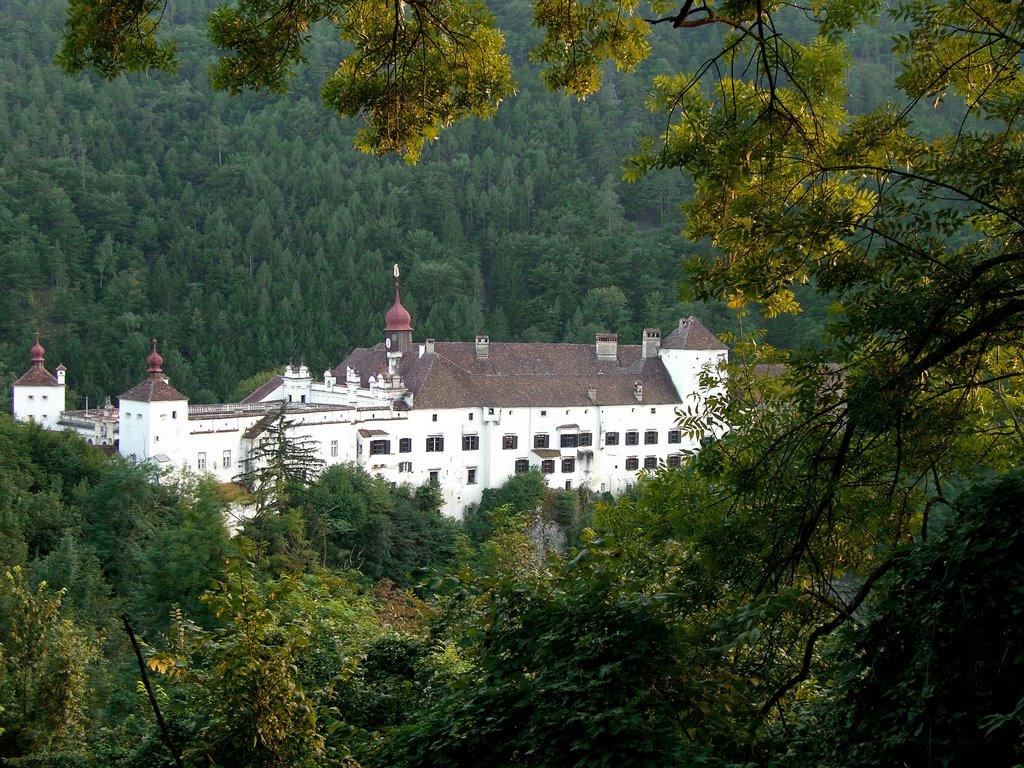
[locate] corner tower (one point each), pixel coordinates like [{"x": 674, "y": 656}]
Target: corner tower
[
  {"x": 153, "y": 416},
  {"x": 39, "y": 395},
  {"x": 686, "y": 352}
]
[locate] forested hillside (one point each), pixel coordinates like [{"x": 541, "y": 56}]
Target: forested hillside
[
  {"x": 244, "y": 231},
  {"x": 834, "y": 578}
]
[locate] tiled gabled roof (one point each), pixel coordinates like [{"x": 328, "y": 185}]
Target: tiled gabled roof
[
  {"x": 262, "y": 392},
  {"x": 520, "y": 374},
  {"x": 692, "y": 335},
  {"x": 37, "y": 376},
  {"x": 152, "y": 391}
]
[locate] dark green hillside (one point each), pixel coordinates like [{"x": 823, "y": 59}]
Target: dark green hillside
[{"x": 244, "y": 231}]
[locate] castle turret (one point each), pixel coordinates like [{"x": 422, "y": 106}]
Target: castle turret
[
  {"x": 39, "y": 395},
  {"x": 686, "y": 351},
  {"x": 154, "y": 417}
]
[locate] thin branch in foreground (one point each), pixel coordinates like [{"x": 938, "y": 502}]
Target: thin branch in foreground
[{"x": 149, "y": 691}]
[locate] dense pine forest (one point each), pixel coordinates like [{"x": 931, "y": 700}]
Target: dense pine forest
[
  {"x": 832, "y": 580},
  {"x": 246, "y": 231}
]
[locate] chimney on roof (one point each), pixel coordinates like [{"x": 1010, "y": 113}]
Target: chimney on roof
[
  {"x": 428, "y": 347},
  {"x": 652, "y": 342},
  {"x": 607, "y": 347},
  {"x": 482, "y": 347},
  {"x": 638, "y": 391},
  {"x": 592, "y": 393}
]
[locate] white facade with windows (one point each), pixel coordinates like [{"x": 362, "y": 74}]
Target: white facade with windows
[{"x": 467, "y": 415}]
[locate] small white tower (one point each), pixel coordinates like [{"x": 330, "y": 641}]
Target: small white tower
[
  {"x": 39, "y": 395},
  {"x": 153, "y": 418},
  {"x": 686, "y": 352}
]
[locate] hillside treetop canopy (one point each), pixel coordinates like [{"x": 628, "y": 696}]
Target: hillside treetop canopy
[{"x": 412, "y": 68}]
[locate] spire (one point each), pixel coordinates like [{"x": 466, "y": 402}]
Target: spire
[
  {"x": 398, "y": 317},
  {"x": 37, "y": 352},
  {"x": 154, "y": 361}
]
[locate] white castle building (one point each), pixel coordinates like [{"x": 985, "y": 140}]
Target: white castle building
[{"x": 466, "y": 415}]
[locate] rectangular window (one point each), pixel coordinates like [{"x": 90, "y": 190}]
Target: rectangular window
[
  {"x": 435, "y": 444},
  {"x": 201, "y": 460},
  {"x": 405, "y": 466},
  {"x": 674, "y": 460},
  {"x": 405, "y": 445},
  {"x": 510, "y": 443},
  {"x": 226, "y": 459},
  {"x": 632, "y": 437},
  {"x": 632, "y": 463},
  {"x": 569, "y": 441},
  {"x": 522, "y": 465},
  {"x": 433, "y": 417},
  {"x": 611, "y": 438},
  {"x": 435, "y": 477},
  {"x": 586, "y": 439},
  {"x": 675, "y": 435},
  {"x": 568, "y": 465},
  {"x": 651, "y": 437},
  {"x": 334, "y": 447},
  {"x": 380, "y": 447},
  {"x": 540, "y": 441},
  {"x": 547, "y": 466},
  {"x": 650, "y": 462},
  {"x": 471, "y": 476},
  {"x": 471, "y": 442}
]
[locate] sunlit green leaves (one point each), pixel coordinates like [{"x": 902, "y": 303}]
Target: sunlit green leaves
[
  {"x": 111, "y": 37},
  {"x": 580, "y": 36},
  {"x": 264, "y": 39},
  {"x": 415, "y": 73},
  {"x": 44, "y": 659},
  {"x": 415, "y": 69}
]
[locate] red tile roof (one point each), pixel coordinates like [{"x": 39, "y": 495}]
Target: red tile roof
[
  {"x": 151, "y": 391},
  {"x": 37, "y": 376},
  {"x": 520, "y": 375},
  {"x": 692, "y": 335}
]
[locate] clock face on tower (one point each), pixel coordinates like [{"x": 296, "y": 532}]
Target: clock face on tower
[{"x": 387, "y": 342}]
